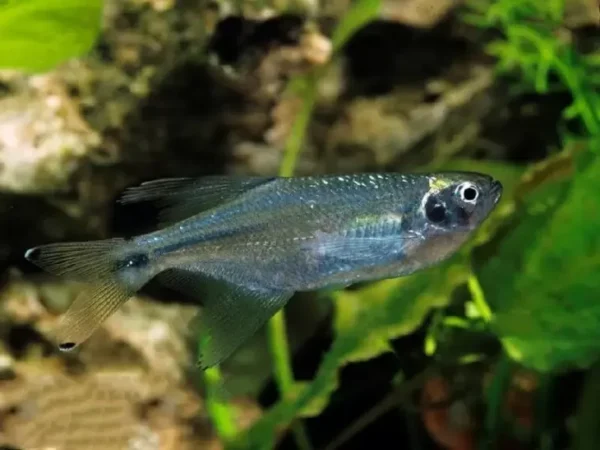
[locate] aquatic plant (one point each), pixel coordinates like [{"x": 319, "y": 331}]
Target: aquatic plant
[
  {"x": 551, "y": 232},
  {"x": 304, "y": 87},
  {"x": 528, "y": 279},
  {"x": 36, "y": 35},
  {"x": 537, "y": 48},
  {"x": 534, "y": 285}
]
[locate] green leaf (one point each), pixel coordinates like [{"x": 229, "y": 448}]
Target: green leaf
[
  {"x": 402, "y": 303},
  {"x": 542, "y": 283},
  {"x": 365, "y": 320},
  {"x": 36, "y": 35}
]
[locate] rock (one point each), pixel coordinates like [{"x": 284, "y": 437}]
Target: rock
[
  {"x": 132, "y": 385},
  {"x": 441, "y": 121},
  {"x": 43, "y": 137},
  {"x": 418, "y": 13},
  {"x": 72, "y": 139},
  {"x": 156, "y": 335},
  {"x": 44, "y": 407},
  {"x": 581, "y": 13}
]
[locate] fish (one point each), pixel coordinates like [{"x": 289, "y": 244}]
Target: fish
[{"x": 242, "y": 246}]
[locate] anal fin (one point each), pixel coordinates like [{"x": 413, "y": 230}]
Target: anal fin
[{"x": 231, "y": 314}]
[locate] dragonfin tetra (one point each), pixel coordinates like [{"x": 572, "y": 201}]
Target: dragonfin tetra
[{"x": 244, "y": 245}]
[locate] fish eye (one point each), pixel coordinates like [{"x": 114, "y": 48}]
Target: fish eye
[
  {"x": 468, "y": 193},
  {"x": 435, "y": 212}
]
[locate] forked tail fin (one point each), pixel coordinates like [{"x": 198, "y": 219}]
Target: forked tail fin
[{"x": 95, "y": 263}]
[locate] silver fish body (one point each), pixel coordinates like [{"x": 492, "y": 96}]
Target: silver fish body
[{"x": 244, "y": 245}]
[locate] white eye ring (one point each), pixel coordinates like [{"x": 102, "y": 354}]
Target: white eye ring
[{"x": 468, "y": 192}]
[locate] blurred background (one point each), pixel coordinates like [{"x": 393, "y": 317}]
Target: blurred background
[{"x": 497, "y": 348}]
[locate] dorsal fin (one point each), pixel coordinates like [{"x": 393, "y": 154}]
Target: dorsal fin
[{"x": 181, "y": 198}]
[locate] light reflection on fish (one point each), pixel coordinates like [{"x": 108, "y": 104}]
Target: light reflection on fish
[{"x": 243, "y": 245}]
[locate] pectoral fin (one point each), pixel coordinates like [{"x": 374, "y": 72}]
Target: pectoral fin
[
  {"x": 231, "y": 314},
  {"x": 360, "y": 248}
]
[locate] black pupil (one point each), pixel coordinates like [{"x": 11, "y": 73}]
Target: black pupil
[
  {"x": 470, "y": 194},
  {"x": 436, "y": 213}
]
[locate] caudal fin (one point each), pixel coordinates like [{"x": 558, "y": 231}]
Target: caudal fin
[{"x": 93, "y": 263}]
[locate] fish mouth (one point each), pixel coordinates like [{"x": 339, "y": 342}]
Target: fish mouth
[{"x": 496, "y": 191}]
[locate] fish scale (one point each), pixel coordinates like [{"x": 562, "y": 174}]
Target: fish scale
[{"x": 283, "y": 193}]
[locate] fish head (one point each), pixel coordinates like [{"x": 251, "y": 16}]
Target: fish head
[
  {"x": 457, "y": 201},
  {"x": 451, "y": 206}
]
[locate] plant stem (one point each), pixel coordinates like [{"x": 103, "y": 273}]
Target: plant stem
[
  {"x": 397, "y": 398},
  {"x": 296, "y": 138},
  {"x": 219, "y": 411},
  {"x": 479, "y": 298},
  {"x": 495, "y": 397},
  {"x": 276, "y": 330},
  {"x": 306, "y": 88},
  {"x": 569, "y": 76},
  {"x": 280, "y": 353},
  {"x": 542, "y": 418}
]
